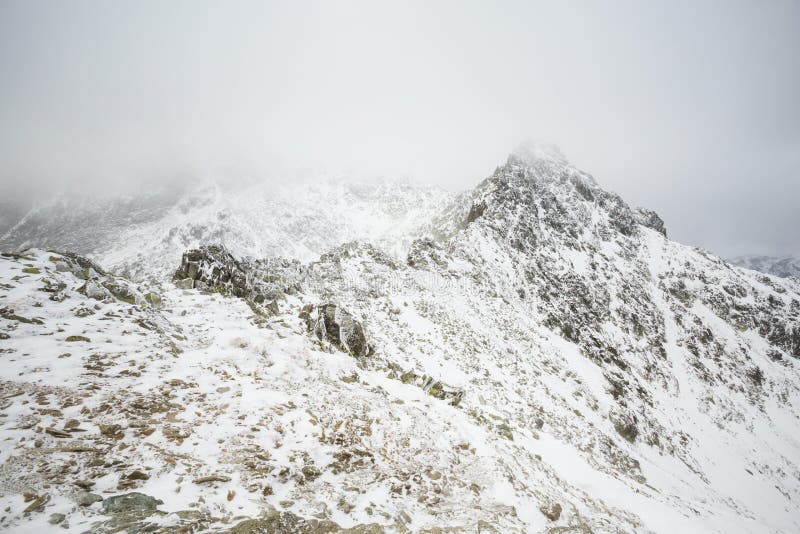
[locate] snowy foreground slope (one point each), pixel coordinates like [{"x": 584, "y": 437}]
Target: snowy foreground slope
[{"x": 543, "y": 359}]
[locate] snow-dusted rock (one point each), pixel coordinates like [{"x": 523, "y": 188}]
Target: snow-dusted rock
[{"x": 332, "y": 324}]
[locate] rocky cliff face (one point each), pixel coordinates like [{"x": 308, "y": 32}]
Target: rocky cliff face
[{"x": 540, "y": 359}]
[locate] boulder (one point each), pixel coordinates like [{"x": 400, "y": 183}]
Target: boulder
[
  {"x": 335, "y": 325},
  {"x": 120, "y": 290},
  {"x": 133, "y": 502},
  {"x": 85, "y": 498}
]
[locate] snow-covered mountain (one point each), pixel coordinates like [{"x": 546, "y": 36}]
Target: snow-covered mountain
[
  {"x": 784, "y": 266},
  {"x": 144, "y": 234},
  {"x": 540, "y": 359}
]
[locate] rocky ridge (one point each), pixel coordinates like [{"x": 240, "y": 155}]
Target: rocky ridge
[
  {"x": 785, "y": 267},
  {"x": 143, "y": 236}
]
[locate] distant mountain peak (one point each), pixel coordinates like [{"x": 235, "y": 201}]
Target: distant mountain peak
[
  {"x": 530, "y": 152},
  {"x": 783, "y": 266}
]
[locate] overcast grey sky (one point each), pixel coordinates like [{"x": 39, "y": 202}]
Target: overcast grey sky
[{"x": 689, "y": 108}]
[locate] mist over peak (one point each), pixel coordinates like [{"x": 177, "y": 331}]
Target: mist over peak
[
  {"x": 101, "y": 96},
  {"x": 531, "y": 151}
]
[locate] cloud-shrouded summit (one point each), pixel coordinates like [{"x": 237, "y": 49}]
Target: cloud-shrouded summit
[{"x": 689, "y": 109}]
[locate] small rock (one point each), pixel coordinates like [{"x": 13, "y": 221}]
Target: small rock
[
  {"x": 84, "y": 498},
  {"x": 310, "y": 472},
  {"x": 111, "y": 431},
  {"x": 72, "y": 424},
  {"x": 37, "y": 503},
  {"x": 55, "y": 519},
  {"x": 57, "y": 433},
  {"x": 505, "y": 431},
  {"x": 137, "y": 475},
  {"x": 212, "y": 478},
  {"x": 551, "y": 512}
]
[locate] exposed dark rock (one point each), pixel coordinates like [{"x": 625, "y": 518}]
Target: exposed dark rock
[
  {"x": 261, "y": 282},
  {"x": 82, "y": 267},
  {"x": 625, "y": 425},
  {"x": 85, "y": 498},
  {"x": 37, "y": 504},
  {"x": 214, "y": 266},
  {"x": 120, "y": 290},
  {"x": 335, "y": 325},
  {"x": 137, "y": 475},
  {"x": 552, "y": 511},
  {"x": 112, "y": 431},
  {"x": 650, "y": 219},
  {"x": 425, "y": 254},
  {"x": 275, "y": 522},
  {"x": 476, "y": 211},
  {"x": 8, "y": 313},
  {"x": 433, "y": 387},
  {"x": 212, "y": 478},
  {"x": 133, "y": 502}
]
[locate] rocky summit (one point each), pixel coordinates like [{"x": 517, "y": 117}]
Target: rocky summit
[{"x": 532, "y": 355}]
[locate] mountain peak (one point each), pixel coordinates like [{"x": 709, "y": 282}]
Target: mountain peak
[{"x": 530, "y": 152}]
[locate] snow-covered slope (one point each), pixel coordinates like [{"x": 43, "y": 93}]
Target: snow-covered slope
[
  {"x": 786, "y": 266},
  {"x": 144, "y": 234},
  {"x": 550, "y": 362}
]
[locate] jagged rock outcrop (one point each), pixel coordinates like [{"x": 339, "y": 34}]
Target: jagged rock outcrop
[
  {"x": 426, "y": 253},
  {"x": 330, "y": 323},
  {"x": 213, "y": 266},
  {"x": 650, "y": 219},
  {"x": 261, "y": 281}
]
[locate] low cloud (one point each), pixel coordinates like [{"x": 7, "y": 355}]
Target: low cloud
[{"x": 686, "y": 108}]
